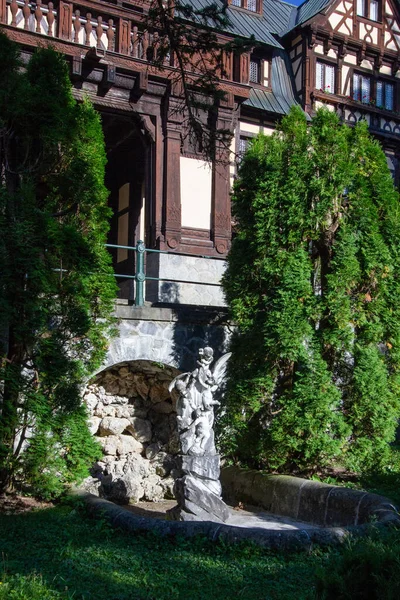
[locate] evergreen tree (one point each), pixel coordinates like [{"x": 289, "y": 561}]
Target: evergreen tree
[
  {"x": 313, "y": 286},
  {"x": 56, "y": 282}
]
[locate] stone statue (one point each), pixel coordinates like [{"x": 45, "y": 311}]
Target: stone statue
[
  {"x": 196, "y": 402},
  {"x": 198, "y": 490}
]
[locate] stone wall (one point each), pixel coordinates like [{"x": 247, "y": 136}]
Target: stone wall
[
  {"x": 133, "y": 417},
  {"x": 174, "y": 269},
  {"x": 169, "y": 336}
]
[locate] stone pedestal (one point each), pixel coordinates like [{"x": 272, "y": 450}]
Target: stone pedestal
[{"x": 198, "y": 490}]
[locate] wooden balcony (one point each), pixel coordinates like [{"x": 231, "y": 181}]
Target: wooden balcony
[{"x": 106, "y": 27}]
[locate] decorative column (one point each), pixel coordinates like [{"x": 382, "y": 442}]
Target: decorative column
[
  {"x": 221, "y": 204},
  {"x": 65, "y": 21},
  {"x": 172, "y": 176},
  {"x": 3, "y": 11},
  {"x": 124, "y": 36}
]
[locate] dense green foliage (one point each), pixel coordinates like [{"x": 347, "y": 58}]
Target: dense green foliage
[
  {"x": 367, "y": 569},
  {"x": 56, "y": 283},
  {"x": 313, "y": 285}
]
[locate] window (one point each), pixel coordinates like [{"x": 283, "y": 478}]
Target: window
[
  {"x": 361, "y": 88},
  {"x": 254, "y": 74},
  {"x": 251, "y": 5},
  {"x": 368, "y": 9},
  {"x": 325, "y": 79},
  {"x": 243, "y": 146},
  {"x": 384, "y": 95}
]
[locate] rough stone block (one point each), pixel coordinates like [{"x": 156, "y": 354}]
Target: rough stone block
[
  {"x": 140, "y": 429},
  {"x": 127, "y": 444},
  {"x": 109, "y": 444},
  {"x": 91, "y": 401},
  {"x": 113, "y": 426},
  {"x": 93, "y": 424}
]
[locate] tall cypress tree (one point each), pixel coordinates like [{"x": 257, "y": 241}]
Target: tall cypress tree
[
  {"x": 56, "y": 282},
  {"x": 313, "y": 286}
]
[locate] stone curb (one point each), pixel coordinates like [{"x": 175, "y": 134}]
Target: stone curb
[
  {"x": 320, "y": 504},
  {"x": 302, "y": 539}
]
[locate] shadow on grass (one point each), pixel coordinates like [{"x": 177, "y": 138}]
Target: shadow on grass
[{"x": 85, "y": 559}]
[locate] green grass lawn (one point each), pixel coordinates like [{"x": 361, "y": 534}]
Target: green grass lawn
[{"x": 60, "y": 553}]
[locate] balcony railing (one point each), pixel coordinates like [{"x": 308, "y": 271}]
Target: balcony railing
[
  {"x": 141, "y": 277},
  {"x": 109, "y": 27},
  {"x": 104, "y": 28}
]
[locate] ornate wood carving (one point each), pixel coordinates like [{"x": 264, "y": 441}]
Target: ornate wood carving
[
  {"x": 124, "y": 36},
  {"x": 65, "y": 21},
  {"x": 3, "y": 11},
  {"x": 99, "y": 31},
  {"x": 77, "y": 25},
  {"x": 14, "y": 10},
  {"x": 361, "y": 53},
  {"x": 244, "y": 68},
  {"x": 172, "y": 190},
  {"x": 50, "y": 19},
  {"x": 88, "y": 28},
  {"x": 328, "y": 42},
  {"x": 38, "y": 15},
  {"x": 26, "y": 11}
]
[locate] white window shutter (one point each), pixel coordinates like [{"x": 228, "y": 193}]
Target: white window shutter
[
  {"x": 360, "y": 8},
  {"x": 318, "y": 83},
  {"x": 365, "y": 89},
  {"x": 356, "y": 86},
  {"x": 373, "y": 10},
  {"x": 330, "y": 79},
  {"x": 389, "y": 96},
  {"x": 379, "y": 93}
]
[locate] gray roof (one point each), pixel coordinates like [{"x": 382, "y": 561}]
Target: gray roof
[
  {"x": 303, "y": 13},
  {"x": 243, "y": 23},
  {"x": 282, "y": 96},
  {"x": 277, "y": 20}
]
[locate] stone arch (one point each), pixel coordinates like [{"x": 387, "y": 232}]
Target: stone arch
[
  {"x": 159, "y": 335},
  {"x": 143, "y": 340},
  {"x": 133, "y": 417}
]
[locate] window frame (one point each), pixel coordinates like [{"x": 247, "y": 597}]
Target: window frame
[
  {"x": 371, "y": 94},
  {"x": 323, "y": 87},
  {"x": 367, "y": 10},
  {"x": 243, "y": 4},
  {"x": 385, "y": 83},
  {"x": 258, "y": 62}
]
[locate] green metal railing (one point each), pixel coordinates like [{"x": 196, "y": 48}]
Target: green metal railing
[{"x": 140, "y": 276}]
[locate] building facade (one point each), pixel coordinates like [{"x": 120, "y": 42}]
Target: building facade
[{"x": 343, "y": 54}]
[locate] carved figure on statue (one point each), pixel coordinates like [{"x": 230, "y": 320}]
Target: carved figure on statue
[
  {"x": 195, "y": 405},
  {"x": 198, "y": 490}
]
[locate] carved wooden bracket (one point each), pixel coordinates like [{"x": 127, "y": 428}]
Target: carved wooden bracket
[
  {"x": 312, "y": 37},
  {"x": 378, "y": 60},
  {"x": 361, "y": 53},
  {"x": 342, "y": 50},
  {"x": 328, "y": 43}
]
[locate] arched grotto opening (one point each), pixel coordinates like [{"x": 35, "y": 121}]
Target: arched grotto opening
[{"x": 133, "y": 417}]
